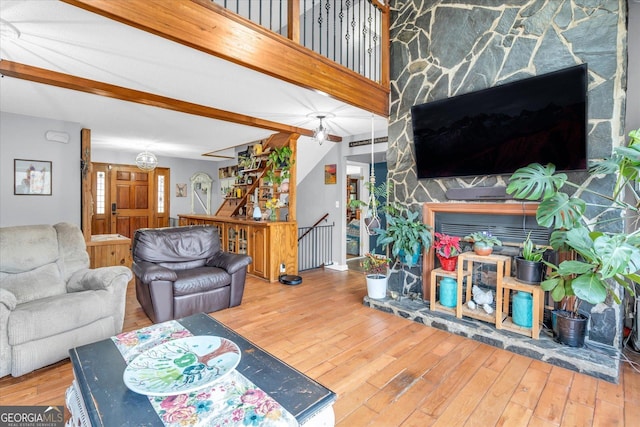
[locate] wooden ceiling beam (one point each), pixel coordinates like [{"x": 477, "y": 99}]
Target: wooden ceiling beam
[
  {"x": 210, "y": 28},
  {"x": 67, "y": 81}
]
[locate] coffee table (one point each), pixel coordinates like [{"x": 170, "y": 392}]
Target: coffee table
[{"x": 99, "y": 397}]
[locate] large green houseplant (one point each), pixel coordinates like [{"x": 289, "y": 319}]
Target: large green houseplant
[
  {"x": 405, "y": 234},
  {"x": 603, "y": 259}
]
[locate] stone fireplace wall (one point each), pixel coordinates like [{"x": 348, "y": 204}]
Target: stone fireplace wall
[{"x": 443, "y": 48}]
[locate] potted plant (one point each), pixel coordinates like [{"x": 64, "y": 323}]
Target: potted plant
[
  {"x": 483, "y": 242},
  {"x": 604, "y": 260},
  {"x": 406, "y": 235},
  {"x": 375, "y": 267},
  {"x": 376, "y": 205},
  {"x": 530, "y": 266},
  {"x": 447, "y": 249},
  {"x": 279, "y": 164}
]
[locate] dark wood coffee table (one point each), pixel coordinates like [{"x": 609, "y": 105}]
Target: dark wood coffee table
[{"x": 99, "y": 396}]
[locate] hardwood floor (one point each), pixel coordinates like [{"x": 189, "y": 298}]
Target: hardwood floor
[{"x": 386, "y": 370}]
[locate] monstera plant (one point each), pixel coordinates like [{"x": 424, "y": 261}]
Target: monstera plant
[{"x": 602, "y": 259}]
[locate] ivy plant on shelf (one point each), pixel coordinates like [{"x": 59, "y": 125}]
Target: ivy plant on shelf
[{"x": 279, "y": 164}]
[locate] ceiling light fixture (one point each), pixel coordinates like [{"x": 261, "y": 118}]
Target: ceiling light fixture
[
  {"x": 8, "y": 31},
  {"x": 146, "y": 161},
  {"x": 321, "y": 133}
]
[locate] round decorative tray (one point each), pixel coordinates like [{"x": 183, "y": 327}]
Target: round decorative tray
[{"x": 181, "y": 366}]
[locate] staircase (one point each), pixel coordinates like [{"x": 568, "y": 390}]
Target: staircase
[{"x": 231, "y": 206}]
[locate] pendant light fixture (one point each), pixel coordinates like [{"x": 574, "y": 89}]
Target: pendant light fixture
[
  {"x": 146, "y": 161},
  {"x": 321, "y": 133}
]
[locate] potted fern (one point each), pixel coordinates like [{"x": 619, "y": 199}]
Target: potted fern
[{"x": 601, "y": 261}]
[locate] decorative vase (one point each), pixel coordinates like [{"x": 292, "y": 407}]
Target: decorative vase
[
  {"x": 448, "y": 292},
  {"x": 376, "y": 286},
  {"x": 569, "y": 328},
  {"x": 523, "y": 309},
  {"x": 448, "y": 264},
  {"x": 257, "y": 214},
  {"x": 273, "y": 215},
  {"x": 482, "y": 248},
  {"x": 529, "y": 272}
]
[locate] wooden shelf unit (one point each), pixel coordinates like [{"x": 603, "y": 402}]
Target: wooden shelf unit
[
  {"x": 435, "y": 304},
  {"x": 268, "y": 243},
  {"x": 504, "y": 285}
]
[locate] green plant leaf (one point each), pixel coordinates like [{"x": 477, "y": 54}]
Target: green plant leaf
[
  {"x": 590, "y": 288},
  {"x": 535, "y": 181},
  {"x": 568, "y": 268},
  {"x": 560, "y": 211},
  {"x": 614, "y": 255}
]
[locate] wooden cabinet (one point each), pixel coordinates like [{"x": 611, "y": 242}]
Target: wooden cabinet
[
  {"x": 269, "y": 243},
  {"x": 107, "y": 250},
  {"x": 259, "y": 251}
]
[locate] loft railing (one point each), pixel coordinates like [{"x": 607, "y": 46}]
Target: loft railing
[{"x": 348, "y": 32}]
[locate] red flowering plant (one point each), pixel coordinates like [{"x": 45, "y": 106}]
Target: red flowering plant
[{"x": 446, "y": 246}]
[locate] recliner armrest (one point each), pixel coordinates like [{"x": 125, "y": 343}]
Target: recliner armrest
[
  {"x": 147, "y": 272},
  {"x": 229, "y": 261},
  {"x": 8, "y": 299},
  {"x": 97, "y": 278}
]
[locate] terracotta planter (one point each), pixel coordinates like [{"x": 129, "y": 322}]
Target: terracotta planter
[
  {"x": 448, "y": 264},
  {"x": 482, "y": 249}
]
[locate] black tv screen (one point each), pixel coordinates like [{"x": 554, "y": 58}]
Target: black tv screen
[{"x": 497, "y": 130}]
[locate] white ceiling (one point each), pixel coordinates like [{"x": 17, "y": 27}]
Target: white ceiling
[{"x": 63, "y": 38}]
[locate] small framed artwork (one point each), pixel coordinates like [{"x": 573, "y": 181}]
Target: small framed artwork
[
  {"x": 181, "y": 190},
  {"x": 31, "y": 177},
  {"x": 330, "y": 174}
]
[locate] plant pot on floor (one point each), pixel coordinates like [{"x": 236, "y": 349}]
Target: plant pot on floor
[
  {"x": 377, "y": 286},
  {"x": 569, "y": 328},
  {"x": 529, "y": 272}
]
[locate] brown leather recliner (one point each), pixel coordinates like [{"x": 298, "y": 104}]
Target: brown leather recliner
[{"x": 181, "y": 271}]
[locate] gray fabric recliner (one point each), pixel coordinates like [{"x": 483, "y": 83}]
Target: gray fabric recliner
[
  {"x": 181, "y": 271},
  {"x": 50, "y": 300}
]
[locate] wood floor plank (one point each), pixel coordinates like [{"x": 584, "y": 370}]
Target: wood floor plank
[
  {"x": 551, "y": 404},
  {"x": 577, "y": 415},
  {"x": 387, "y": 370},
  {"x": 497, "y": 396},
  {"x": 609, "y": 415},
  {"x": 530, "y": 388},
  {"x": 513, "y": 415}
]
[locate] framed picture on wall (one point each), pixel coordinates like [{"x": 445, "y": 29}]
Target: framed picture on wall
[
  {"x": 31, "y": 177},
  {"x": 330, "y": 174}
]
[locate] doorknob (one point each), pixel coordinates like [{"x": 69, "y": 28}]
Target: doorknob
[{"x": 113, "y": 209}]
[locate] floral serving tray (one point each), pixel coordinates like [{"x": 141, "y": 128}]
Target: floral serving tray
[{"x": 181, "y": 366}]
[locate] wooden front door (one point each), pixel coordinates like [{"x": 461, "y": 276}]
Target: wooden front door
[
  {"x": 126, "y": 201},
  {"x": 132, "y": 199}
]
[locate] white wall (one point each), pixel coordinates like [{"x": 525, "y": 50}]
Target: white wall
[{"x": 23, "y": 137}]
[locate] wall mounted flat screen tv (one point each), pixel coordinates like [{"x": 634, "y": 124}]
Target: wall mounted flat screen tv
[{"x": 497, "y": 130}]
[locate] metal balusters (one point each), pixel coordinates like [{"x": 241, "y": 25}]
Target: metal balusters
[{"x": 345, "y": 31}]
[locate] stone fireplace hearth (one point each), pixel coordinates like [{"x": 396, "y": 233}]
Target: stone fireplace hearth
[
  {"x": 600, "y": 362},
  {"x": 510, "y": 222}
]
